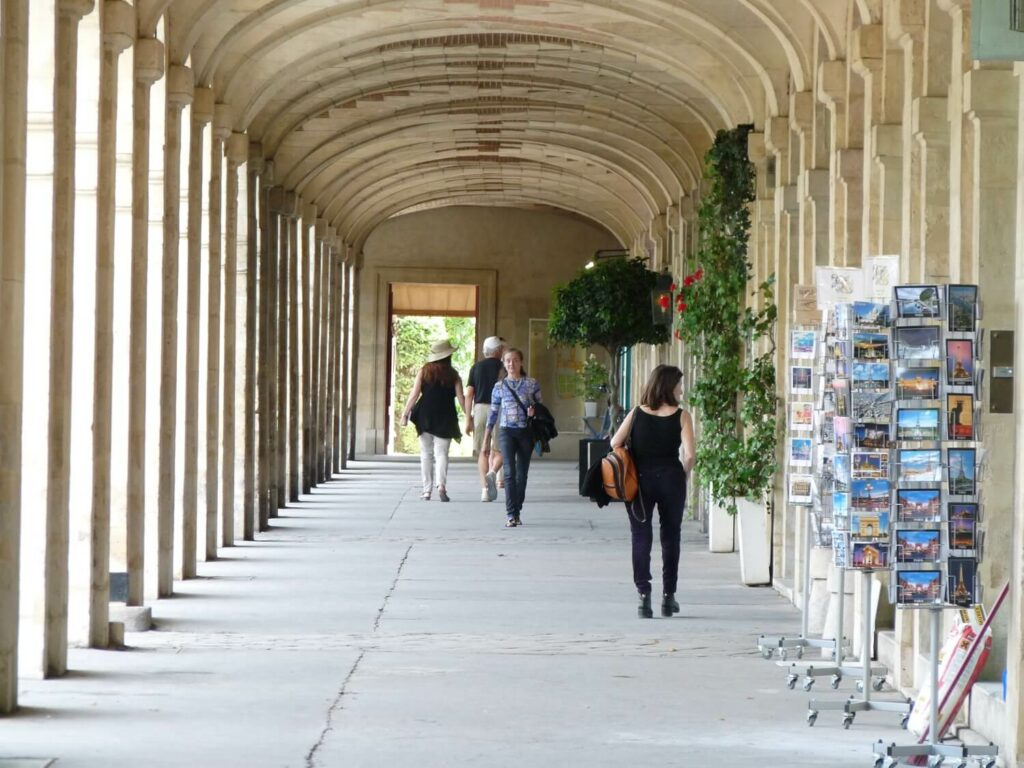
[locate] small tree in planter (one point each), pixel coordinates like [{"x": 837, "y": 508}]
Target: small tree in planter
[
  {"x": 607, "y": 306},
  {"x": 734, "y": 390}
]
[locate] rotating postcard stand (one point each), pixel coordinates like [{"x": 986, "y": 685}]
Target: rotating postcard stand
[
  {"x": 768, "y": 645},
  {"x": 934, "y": 752},
  {"x": 866, "y": 669}
]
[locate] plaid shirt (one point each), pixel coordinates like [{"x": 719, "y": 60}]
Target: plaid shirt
[{"x": 503, "y": 402}]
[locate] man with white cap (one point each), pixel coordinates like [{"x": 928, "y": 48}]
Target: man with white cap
[{"x": 482, "y": 377}]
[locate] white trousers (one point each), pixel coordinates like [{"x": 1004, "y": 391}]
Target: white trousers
[{"x": 434, "y": 451}]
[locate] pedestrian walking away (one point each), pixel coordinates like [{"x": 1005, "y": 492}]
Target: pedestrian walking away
[
  {"x": 659, "y": 435},
  {"x": 484, "y": 374},
  {"x": 431, "y": 408},
  {"x": 512, "y": 403}
]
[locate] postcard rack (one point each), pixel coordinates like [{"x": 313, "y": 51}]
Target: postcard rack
[
  {"x": 936, "y": 539},
  {"x": 858, "y": 401},
  {"x": 804, "y": 494}
]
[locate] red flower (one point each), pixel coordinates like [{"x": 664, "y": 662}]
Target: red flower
[
  {"x": 688, "y": 280},
  {"x": 677, "y": 335},
  {"x": 672, "y": 288},
  {"x": 682, "y": 306},
  {"x": 663, "y": 301},
  {"x": 698, "y": 274}
]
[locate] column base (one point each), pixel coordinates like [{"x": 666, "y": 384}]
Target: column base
[{"x": 135, "y": 618}]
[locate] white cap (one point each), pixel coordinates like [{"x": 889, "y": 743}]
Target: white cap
[{"x": 491, "y": 343}]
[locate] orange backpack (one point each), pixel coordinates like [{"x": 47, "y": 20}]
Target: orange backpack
[{"x": 618, "y": 470}]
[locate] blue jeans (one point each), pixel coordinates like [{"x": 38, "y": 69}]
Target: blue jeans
[{"x": 516, "y": 449}]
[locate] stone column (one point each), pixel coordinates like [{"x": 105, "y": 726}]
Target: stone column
[
  {"x": 908, "y": 28},
  {"x": 351, "y": 367},
  {"x": 69, "y": 14},
  {"x": 295, "y": 311},
  {"x": 179, "y": 94},
  {"x": 221, "y": 131},
  {"x": 268, "y": 246},
  {"x": 333, "y": 350},
  {"x": 281, "y": 320},
  {"x": 308, "y": 250},
  {"x": 887, "y": 146},
  {"x": 326, "y": 272},
  {"x": 272, "y": 351},
  {"x": 341, "y": 358},
  {"x": 1013, "y": 744},
  {"x": 12, "y": 301},
  {"x": 317, "y": 338},
  {"x": 149, "y": 66},
  {"x": 232, "y": 433},
  {"x": 991, "y": 98},
  {"x": 251, "y": 497},
  {"x": 930, "y": 128},
  {"x": 117, "y": 27},
  {"x": 202, "y": 113}
]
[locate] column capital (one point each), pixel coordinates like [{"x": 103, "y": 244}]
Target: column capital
[
  {"x": 991, "y": 93},
  {"x": 756, "y": 150},
  {"x": 887, "y": 139},
  {"x": 289, "y": 204},
  {"x": 832, "y": 82},
  {"x": 276, "y": 198},
  {"x": 790, "y": 198},
  {"x": 953, "y": 6},
  {"x": 308, "y": 214},
  {"x": 236, "y": 150},
  {"x": 118, "y": 25},
  {"x": 76, "y": 9},
  {"x": 907, "y": 20},
  {"x": 320, "y": 229},
  {"x": 801, "y": 111},
  {"x": 776, "y": 134},
  {"x": 268, "y": 169},
  {"x": 149, "y": 60},
  {"x": 814, "y": 183},
  {"x": 180, "y": 85},
  {"x": 222, "y": 119},
  {"x": 202, "y": 104},
  {"x": 867, "y": 47},
  {"x": 850, "y": 162},
  {"x": 929, "y": 119}
]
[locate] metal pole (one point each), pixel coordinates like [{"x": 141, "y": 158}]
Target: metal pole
[
  {"x": 839, "y": 619},
  {"x": 933, "y": 722},
  {"x": 865, "y": 637},
  {"x": 806, "y": 602}
]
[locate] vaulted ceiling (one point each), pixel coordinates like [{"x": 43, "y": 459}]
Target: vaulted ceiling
[{"x": 372, "y": 108}]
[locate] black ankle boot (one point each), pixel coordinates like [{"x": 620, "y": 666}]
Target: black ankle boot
[
  {"x": 644, "y": 610},
  {"x": 669, "y": 605}
]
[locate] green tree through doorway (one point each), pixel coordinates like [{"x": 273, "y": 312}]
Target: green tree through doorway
[{"x": 413, "y": 336}]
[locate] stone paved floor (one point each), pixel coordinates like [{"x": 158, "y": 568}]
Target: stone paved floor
[{"x": 369, "y": 628}]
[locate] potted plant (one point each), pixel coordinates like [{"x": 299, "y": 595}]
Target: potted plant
[
  {"x": 607, "y": 306},
  {"x": 591, "y": 385},
  {"x": 733, "y": 347}
]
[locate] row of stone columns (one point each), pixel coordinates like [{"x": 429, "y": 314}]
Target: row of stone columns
[{"x": 235, "y": 355}]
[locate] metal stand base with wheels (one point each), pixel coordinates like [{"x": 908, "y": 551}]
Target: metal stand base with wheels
[
  {"x": 867, "y": 670},
  {"x": 769, "y": 645},
  {"x": 887, "y": 755}
]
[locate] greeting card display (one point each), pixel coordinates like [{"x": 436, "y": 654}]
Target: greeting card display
[
  {"x": 917, "y": 301},
  {"x": 917, "y": 383},
  {"x": 918, "y": 342},
  {"x": 961, "y": 307}
]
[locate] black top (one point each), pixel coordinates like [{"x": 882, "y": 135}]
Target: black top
[
  {"x": 655, "y": 440},
  {"x": 482, "y": 378},
  {"x": 435, "y": 411}
]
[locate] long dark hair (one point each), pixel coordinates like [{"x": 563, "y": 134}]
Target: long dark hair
[
  {"x": 440, "y": 372},
  {"x": 661, "y": 387}
]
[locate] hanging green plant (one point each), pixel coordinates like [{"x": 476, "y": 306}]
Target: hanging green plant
[{"x": 734, "y": 389}]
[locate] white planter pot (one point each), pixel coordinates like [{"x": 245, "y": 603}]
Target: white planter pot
[
  {"x": 721, "y": 529},
  {"x": 755, "y": 548},
  {"x": 589, "y": 409}
]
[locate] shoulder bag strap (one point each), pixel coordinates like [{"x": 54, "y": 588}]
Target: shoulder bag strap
[{"x": 505, "y": 382}]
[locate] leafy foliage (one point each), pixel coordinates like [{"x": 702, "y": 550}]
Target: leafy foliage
[
  {"x": 608, "y": 306},
  {"x": 735, "y": 387},
  {"x": 593, "y": 379},
  {"x": 413, "y": 337}
]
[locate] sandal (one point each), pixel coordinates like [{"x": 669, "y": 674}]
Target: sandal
[
  {"x": 511, "y": 523},
  {"x": 425, "y": 495},
  {"x": 442, "y": 494}
]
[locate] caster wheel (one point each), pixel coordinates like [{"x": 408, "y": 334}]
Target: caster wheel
[
  {"x": 766, "y": 653},
  {"x": 836, "y": 680},
  {"x": 879, "y": 762},
  {"x": 860, "y": 686},
  {"x": 791, "y": 682},
  {"x": 903, "y": 721},
  {"x": 808, "y": 683},
  {"x": 878, "y": 684},
  {"x": 812, "y": 716},
  {"x": 848, "y": 720},
  {"x": 799, "y": 651},
  {"x": 783, "y": 653}
]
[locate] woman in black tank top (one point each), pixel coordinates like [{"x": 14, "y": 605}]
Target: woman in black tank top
[{"x": 655, "y": 431}]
